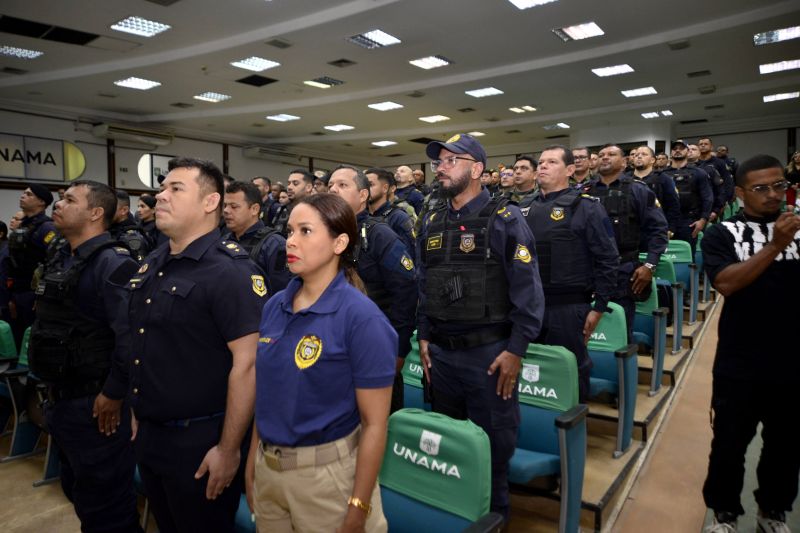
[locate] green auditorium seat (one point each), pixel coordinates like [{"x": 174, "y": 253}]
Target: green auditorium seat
[
  {"x": 615, "y": 371},
  {"x": 436, "y": 475},
  {"x": 552, "y": 433},
  {"x": 665, "y": 275},
  {"x": 650, "y": 330},
  {"x": 412, "y": 379},
  {"x": 686, "y": 272}
]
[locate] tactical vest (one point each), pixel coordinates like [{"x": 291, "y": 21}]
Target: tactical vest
[
  {"x": 132, "y": 239},
  {"x": 465, "y": 280},
  {"x": 24, "y": 256},
  {"x": 713, "y": 173},
  {"x": 376, "y": 289},
  {"x": 254, "y": 243},
  {"x": 688, "y": 194},
  {"x": 622, "y": 213},
  {"x": 558, "y": 244},
  {"x": 67, "y": 347},
  {"x": 281, "y": 220}
]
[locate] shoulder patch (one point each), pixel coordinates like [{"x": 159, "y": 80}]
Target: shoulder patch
[
  {"x": 233, "y": 249},
  {"x": 259, "y": 286},
  {"x": 522, "y": 254},
  {"x": 122, "y": 251},
  {"x": 590, "y": 197},
  {"x": 407, "y": 263},
  {"x": 49, "y": 237}
]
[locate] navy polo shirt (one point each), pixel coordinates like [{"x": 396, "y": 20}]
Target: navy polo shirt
[
  {"x": 184, "y": 310},
  {"x": 310, "y": 363}
]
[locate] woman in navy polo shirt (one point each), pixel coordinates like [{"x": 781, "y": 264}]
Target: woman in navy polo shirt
[{"x": 324, "y": 374}]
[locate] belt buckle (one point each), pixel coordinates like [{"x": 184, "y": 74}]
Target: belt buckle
[{"x": 273, "y": 460}]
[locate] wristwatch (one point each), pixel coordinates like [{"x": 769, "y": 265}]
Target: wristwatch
[{"x": 651, "y": 267}]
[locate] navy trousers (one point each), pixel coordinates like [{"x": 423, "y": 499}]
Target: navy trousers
[{"x": 563, "y": 326}]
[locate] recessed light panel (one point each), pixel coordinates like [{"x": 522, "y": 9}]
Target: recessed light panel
[
  {"x": 137, "y": 83},
  {"x": 559, "y": 126},
  {"x": 339, "y": 127},
  {"x": 21, "y": 53},
  {"x": 616, "y": 70},
  {"x": 383, "y": 144},
  {"x": 781, "y": 96},
  {"x": 434, "y": 118},
  {"x": 525, "y": 4},
  {"x": 516, "y": 109},
  {"x": 385, "y": 106},
  {"x": 776, "y": 36},
  {"x": 476, "y": 133},
  {"x": 486, "y": 91},
  {"x": 140, "y": 26},
  {"x": 283, "y": 117},
  {"x": 212, "y": 97},
  {"x": 430, "y": 62},
  {"x": 374, "y": 39},
  {"x": 780, "y": 66},
  {"x": 578, "y": 32},
  {"x": 323, "y": 82},
  {"x": 666, "y": 113},
  {"x": 642, "y": 91},
  {"x": 651, "y": 114},
  {"x": 256, "y": 64}
]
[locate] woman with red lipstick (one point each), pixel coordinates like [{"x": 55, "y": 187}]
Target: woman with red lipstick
[{"x": 324, "y": 374}]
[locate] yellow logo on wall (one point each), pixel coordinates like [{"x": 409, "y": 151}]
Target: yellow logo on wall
[{"x": 307, "y": 351}]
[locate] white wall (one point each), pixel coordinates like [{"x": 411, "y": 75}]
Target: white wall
[
  {"x": 745, "y": 145},
  {"x": 659, "y": 130}
]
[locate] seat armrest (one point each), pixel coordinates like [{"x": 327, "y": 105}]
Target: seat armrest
[
  {"x": 573, "y": 417},
  {"x": 627, "y": 351},
  {"x": 488, "y": 523}
]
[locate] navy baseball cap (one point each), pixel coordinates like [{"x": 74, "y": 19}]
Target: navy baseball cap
[
  {"x": 460, "y": 143},
  {"x": 677, "y": 142}
]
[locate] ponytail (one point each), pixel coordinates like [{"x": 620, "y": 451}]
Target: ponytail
[{"x": 352, "y": 277}]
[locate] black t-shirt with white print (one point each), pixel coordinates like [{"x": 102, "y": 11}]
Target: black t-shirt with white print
[{"x": 759, "y": 326}]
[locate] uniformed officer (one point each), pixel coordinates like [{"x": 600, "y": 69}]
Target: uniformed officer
[
  {"x": 125, "y": 229},
  {"x": 694, "y": 192},
  {"x": 481, "y": 302},
  {"x": 27, "y": 246},
  {"x": 380, "y": 184},
  {"x": 524, "y": 181},
  {"x": 661, "y": 185},
  {"x": 264, "y": 186},
  {"x": 384, "y": 264},
  {"x": 582, "y": 172},
  {"x": 639, "y": 225},
  {"x": 194, "y": 316},
  {"x": 146, "y": 213},
  {"x": 419, "y": 182},
  {"x": 721, "y": 177},
  {"x": 267, "y": 247},
  {"x": 80, "y": 346},
  {"x": 406, "y": 190},
  {"x": 578, "y": 258},
  {"x": 299, "y": 184}
]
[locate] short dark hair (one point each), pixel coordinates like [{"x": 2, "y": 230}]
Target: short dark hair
[
  {"x": 612, "y": 145},
  {"x": 582, "y": 148},
  {"x": 360, "y": 178},
  {"x": 706, "y": 137},
  {"x": 210, "y": 177},
  {"x": 529, "y": 159},
  {"x": 662, "y": 153},
  {"x": 308, "y": 177},
  {"x": 652, "y": 152},
  {"x": 123, "y": 198},
  {"x": 383, "y": 175},
  {"x": 100, "y": 195},
  {"x": 266, "y": 180},
  {"x": 757, "y": 162},
  {"x": 251, "y": 194},
  {"x": 3, "y": 231},
  {"x": 566, "y": 153}
]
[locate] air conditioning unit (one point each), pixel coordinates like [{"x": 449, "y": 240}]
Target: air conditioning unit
[
  {"x": 271, "y": 153},
  {"x": 132, "y": 134}
]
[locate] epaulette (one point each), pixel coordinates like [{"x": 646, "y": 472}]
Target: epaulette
[
  {"x": 590, "y": 197},
  {"x": 505, "y": 214},
  {"x": 637, "y": 180},
  {"x": 234, "y": 249},
  {"x": 121, "y": 250}
]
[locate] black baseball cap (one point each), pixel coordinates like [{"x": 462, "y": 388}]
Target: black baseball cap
[{"x": 677, "y": 142}]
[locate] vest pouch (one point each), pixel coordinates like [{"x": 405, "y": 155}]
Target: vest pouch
[
  {"x": 574, "y": 267},
  {"x": 49, "y": 355},
  {"x": 457, "y": 295}
]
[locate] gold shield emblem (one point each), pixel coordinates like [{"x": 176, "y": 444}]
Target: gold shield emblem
[
  {"x": 467, "y": 243},
  {"x": 522, "y": 254},
  {"x": 307, "y": 351},
  {"x": 557, "y": 213},
  {"x": 259, "y": 287}
]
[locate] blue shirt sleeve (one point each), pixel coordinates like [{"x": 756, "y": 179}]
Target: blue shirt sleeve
[
  {"x": 603, "y": 248},
  {"x": 653, "y": 223},
  {"x": 703, "y": 183},
  {"x": 372, "y": 345},
  {"x": 236, "y": 301}
]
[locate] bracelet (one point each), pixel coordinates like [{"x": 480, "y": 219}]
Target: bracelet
[{"x": 356, "y": 502}]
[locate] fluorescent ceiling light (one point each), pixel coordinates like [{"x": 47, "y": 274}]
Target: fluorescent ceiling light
[
  {"x": 323, "y": 82},
  {"x": 374, "y": 39},
  {"x": 528, "y": 108},
  {"x": 776, "y": 36},
  {"x": 140, "y": 26},
  {"x": 666, "y": 113},
  {"x": 22, "y": 53},
  {"x": 486, "y": 91},
  {"x": 339, "y": 127},
  {"x": 781, "y": 96},
  {"x": 516, "y": 109},
  {"x": 256, "y": 64},
  {"x": 431, "y": 62},
  {"x": 385, "y": 106},
  {"x": 616, "y": 70},
  {"x": 525, "y": 4},
  {"x": 559, "y": 126},
  {"x": 780, "y": 66},
  {"x": 651, "y": 114},
  {"x": 210, "y": 96},
  {"x": 434, "y": 118},
  {"x": 579, "y": 31},
  {"x": 476, "y": 133},
  {"x": 137, "y": 83},
  {"x": 642, "y": 91},
  {"x": 283, "y": 117},
  {"x": 383, "y": 144}
]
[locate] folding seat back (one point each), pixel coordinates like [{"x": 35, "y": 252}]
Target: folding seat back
[
  {"x": 686, "y": 272},
  {"x": 650, "y": 330},
  {"x": 436, "y": 474},
  {"x": 412, "y": 378},
  {"x": 8, "y": 348},
  {"x": 665, "y": 275}
]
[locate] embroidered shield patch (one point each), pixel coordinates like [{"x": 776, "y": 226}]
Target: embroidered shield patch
[{"x": 467, "y": 243}]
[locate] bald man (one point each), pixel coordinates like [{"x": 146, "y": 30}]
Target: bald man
[{"x": 406, "y": 191}]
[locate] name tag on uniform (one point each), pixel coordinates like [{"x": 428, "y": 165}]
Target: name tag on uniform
[{"x": 434, "y": 242}]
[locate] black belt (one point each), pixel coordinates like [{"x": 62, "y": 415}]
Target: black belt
[
  {"x": 470, "y": 339},
  {"x": 186, "y": 422},
  {"x": 70, "y": 392},
  {"x": 567, "y": 298}
]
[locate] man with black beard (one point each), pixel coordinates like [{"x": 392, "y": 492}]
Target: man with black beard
[{"x": 661, "y": 185}]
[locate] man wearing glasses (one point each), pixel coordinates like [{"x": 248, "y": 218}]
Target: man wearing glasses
[
  {"x": 582, "y": 173},
  {"x": 506, "y": 182},
  {"x": 481, "y": 302},
  {"x": 753, "y": 259}
]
